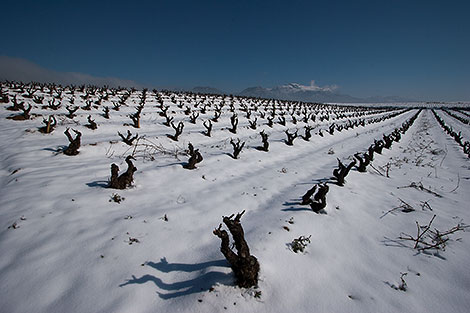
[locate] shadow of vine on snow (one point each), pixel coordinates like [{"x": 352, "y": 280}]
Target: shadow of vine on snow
[{"x": 205, "y": 279}]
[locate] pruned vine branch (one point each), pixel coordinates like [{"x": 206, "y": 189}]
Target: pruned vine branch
[{"x": 427, "y": 238}]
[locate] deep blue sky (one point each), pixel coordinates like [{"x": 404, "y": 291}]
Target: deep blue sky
[{"x": 417, "y": 49}]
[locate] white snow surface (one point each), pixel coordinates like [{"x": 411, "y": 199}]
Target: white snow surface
[{"x": 72, "y": 250}]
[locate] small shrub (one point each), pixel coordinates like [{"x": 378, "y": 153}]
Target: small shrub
[
  {"x": 299, "y": 244},
  {"x": 116, "y": 198}
]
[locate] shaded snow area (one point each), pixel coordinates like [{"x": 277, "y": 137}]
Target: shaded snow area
[{"x": 71, "y": 244}]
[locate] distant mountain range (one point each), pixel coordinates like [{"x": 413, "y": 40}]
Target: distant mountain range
[
  {"x": 208, "y": 90},
  {"x": 23, "y": 70},
  {"x": 298, "y": 92},
  {"x": 18, "y": 69}
]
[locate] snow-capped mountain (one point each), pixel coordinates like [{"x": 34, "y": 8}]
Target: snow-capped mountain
[
  {"x": 312, "y": 93},
  {"x": 298, "y": 92},
  {"x": 295, "y": 87}
]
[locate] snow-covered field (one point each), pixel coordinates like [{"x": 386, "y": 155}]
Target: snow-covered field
[{"x": 68, "y": 247}]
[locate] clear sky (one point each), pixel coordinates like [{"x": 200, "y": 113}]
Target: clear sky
[{"x": 418, "y": 49}]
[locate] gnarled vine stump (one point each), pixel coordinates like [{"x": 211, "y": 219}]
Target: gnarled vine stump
[
  {"x": 244, "y": 265},
  {"x": 125, "y": 179}
]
